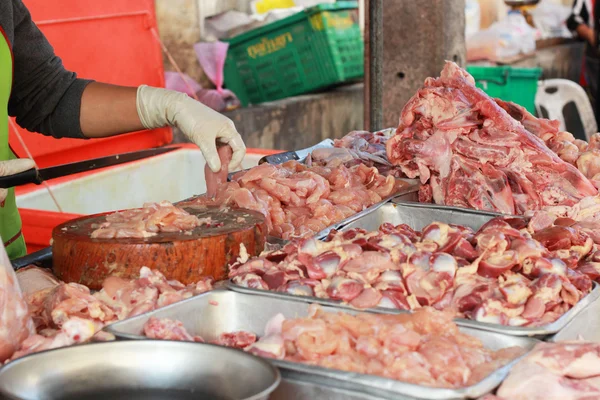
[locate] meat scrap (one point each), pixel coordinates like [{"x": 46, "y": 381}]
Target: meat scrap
[
  {"x": 147, "y": 222},
  {"x": 168, "y": 329},
  {"x": 425, "y": 348},
  {"x": 565, "y": 370},
  {"x": 499, "y": 274},
  {"x": 68, "y": 313},
  {"x": 299, "y": 201},
  {"x": 473, "y": 153}
]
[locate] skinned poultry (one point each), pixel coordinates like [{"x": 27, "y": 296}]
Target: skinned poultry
[
  {"x": 300, "y": 201},
  {"x": 68, "y": 313},
  {"x": 424, "y": 348}
]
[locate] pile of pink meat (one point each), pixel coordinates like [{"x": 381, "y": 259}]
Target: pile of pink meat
[
  {"x": 300, "y": 201},
  {"x": 63, "y": 314},
  {"x": 147, "y": 221},
  {"x": 424, "y": 348},
  {"x": 565, "y": 371},
  {"x": 358, "y": 147},
  {"x": 500, "y": 274},
  {"x": 473, "y": 151}
]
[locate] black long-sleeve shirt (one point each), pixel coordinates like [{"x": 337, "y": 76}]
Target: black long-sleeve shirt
[
  {"x": 45, "y": 97},
  {"x": 585, "y": 12}
]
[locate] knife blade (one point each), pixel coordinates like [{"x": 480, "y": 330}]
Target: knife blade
[
  {"x": 38, "y": 176},
  {"x": 299, "y": 155},
  {"x": 280, "y": 158}
]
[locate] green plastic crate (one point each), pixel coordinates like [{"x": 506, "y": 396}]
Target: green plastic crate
[
  {"x": 316, "y": 48},
  {"x": 518, "y": 85}
]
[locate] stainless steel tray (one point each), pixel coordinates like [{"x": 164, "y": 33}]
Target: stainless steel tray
[
  {"x": 407, "y": 194},
  {"x": 417, "y": 216},
  {"x": 583, "y": 326},
  {"x": 218, "y": 311}
]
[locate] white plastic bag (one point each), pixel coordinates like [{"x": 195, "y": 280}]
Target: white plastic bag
[
  {"x": 16, "y": 324},
  {"x": 504, "y": 39},
  {"x": 550, "y": 19},
  {"x": 472, "y": 17}
]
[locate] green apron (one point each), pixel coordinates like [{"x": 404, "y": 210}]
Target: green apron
[{"x": 10, "y": 221}]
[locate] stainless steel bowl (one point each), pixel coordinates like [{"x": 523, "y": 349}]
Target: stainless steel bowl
[{"x": 132, "y": 370}]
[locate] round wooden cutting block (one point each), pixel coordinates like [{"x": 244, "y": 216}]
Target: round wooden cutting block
[{"x": 186, "y": 257}]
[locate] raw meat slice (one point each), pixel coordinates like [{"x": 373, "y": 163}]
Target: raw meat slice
[
  {"x": 147, "y": 221},
  {"x": 215, "y": 179}
]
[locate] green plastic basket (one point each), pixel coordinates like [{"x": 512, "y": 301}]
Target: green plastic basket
[
  {"x": 518, "y": 85},
  {"x": 316, "y": 48}
]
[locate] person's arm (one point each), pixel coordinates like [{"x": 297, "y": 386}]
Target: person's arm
[
  {"x": 108, "y": 110},
  {"x": 48, "y": 99},
  {"x": 586, "y": 33},
  {"x": 577, "y": 22}
]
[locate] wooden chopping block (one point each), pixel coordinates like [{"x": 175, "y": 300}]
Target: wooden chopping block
[{"x": 207, "y": 251}]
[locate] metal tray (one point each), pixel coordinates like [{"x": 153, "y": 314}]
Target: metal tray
[
  {"x": 218, "y": 311},
  {"x": 417, "y": 216},
  {"x": 407, "y": 194},
  {"x": 583, "y": 326}
]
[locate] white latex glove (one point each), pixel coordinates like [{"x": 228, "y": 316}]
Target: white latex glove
[
  {"x": 12, "y": 167},
  {"x": 158, "y": 107}
]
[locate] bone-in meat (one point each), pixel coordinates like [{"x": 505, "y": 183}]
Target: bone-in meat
[
  {"x": 565, "y": 371},
  {"x": 500, "y": 274},
  {"x": 299, "y": 201},
  {"x": 425, "y": 348},
  {"x": 468, "y": 151},
  {"x": 147, "y": 221}
]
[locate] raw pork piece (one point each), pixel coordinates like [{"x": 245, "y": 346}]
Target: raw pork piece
[
  {"x": 473, "y": 154},
  {"x": 300, "y": 201},
  {"x": 565, "y": 371},
  {"x": 16, "y": 324},
  {"x": 499, "y": 274},
  {"x": 67, "y": 313},
  {"x": 216, "y": 179},
  {"x": 425, "y": 348},
  {"x": 147, "y": 221}
]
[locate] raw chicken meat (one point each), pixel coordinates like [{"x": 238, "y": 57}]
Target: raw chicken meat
[
  {"x": 15, "y": 320},
  {"x": 424, "y": 348},
  {"x": 147, "y": 221},
  {"x": 565, "y": 371},
  {"x": 357, "y": 147},
  {"x": 68, "y": 313},
  {"x": 300, "y": 201},
  {"x": 472, "y": 153},
  {"x": 168, "y": 329},
  {"x": 215, "y": 179},
  {"x": 500, "y": 274}
]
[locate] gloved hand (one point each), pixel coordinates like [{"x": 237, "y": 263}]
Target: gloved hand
[
  {"x": 12, "y": 167},
  {"x": 160, "y": 107}
]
